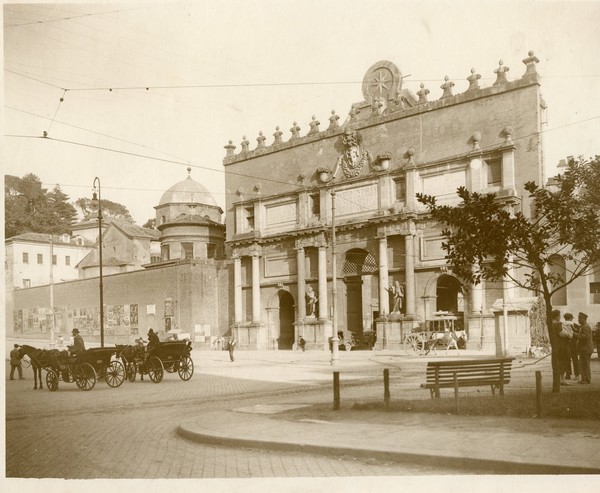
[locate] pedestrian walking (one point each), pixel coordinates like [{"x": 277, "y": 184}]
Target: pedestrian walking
[
  {"x": 301, "y": 343},
  {"x": 15, "y": 363},
  {"x": 572, "y": 357},
  {"x": 585, "y": 348},
  {"x": 231, "y": 346}
]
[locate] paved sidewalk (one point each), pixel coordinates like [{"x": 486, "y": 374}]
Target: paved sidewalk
[{"x": 497, "y": 445}]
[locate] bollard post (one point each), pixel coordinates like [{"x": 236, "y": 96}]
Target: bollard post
[
  {"x": 538, "y": 393},
  {"x": 336, "y": 390},
  {"x": 457, "y": 409},
  {"x": 386, "y": 387}
]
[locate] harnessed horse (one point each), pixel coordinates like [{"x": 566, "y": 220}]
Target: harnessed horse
[
  {"x": 448, "y": 338},
  {"x": 40, "y": 358}
]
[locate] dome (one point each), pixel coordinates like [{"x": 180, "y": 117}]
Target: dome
[{"x": 186, "y": 192}]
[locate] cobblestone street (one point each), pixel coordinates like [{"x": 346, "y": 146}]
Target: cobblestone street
[{"x": 130, "y": 432}]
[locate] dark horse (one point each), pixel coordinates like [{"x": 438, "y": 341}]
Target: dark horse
[{"x": 40, "y": 358}]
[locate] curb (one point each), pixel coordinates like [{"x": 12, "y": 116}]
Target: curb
[{"x": 443, "y": 460}]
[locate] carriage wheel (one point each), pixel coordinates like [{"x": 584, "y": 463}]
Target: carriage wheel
[
  {"x": 155, "y": 369},
  {"x": 115, "y": 374},
  {"x": 186, "y": 368},
  {"x": 413, "y": 344},
  {"x": 85, "y": 376},
  {"x": 51, "y": 380},
  {"x": 130, "y": 371}
]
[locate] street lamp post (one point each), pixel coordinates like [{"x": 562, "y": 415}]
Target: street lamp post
[
  {"x": 96, "y": 199},
  {"x": 335, "y": 340}
]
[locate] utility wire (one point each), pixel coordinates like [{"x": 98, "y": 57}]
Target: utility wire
[{"x": 71, "y": 17}]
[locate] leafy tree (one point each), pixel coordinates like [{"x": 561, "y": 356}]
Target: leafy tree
[
  {"x": 485, "y": 235},
  {"x": 109, "y": 209},
  {"x": 26, "y": 205},
  {"x": 150, "y": 223},
  {"x": 64, "y": 214}
]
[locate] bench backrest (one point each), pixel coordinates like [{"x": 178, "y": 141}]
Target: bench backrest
[{"x": 478, "y": 371}]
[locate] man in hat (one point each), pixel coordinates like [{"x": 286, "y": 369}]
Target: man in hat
[
  {"x": 78, "y": 346},
  {"x": 15, "y": 363},
  {"x": 585, "y": 348},
  {"x": 153, "y": 340}
]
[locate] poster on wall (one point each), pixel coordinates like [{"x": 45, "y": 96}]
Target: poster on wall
[
  {"x": 169, "y": 307},
  {"x": 133, "y": 316}
]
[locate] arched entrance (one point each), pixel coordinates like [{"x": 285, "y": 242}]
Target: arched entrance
[
  {"x": 447, "y": 294},
  {"x": 359, "y": 267},
  {"x": 286, "y": 320}
]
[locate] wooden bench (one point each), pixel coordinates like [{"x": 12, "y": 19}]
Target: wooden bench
[{"x": 467, "y": 373}]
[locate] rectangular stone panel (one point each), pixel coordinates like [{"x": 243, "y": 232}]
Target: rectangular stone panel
[
  {"x": 281, "y": 216},
  {"x": 280, "y": 266},
  {"x": 356, "y": 200}
]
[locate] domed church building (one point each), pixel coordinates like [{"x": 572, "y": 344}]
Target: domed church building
[{"x": 189, "y": 221}]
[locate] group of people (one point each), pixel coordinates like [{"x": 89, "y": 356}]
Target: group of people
[{"x": 572, "y": 345}]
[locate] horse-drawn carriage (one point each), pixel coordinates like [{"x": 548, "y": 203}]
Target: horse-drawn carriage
[
  {"x": 171, "y": 356},
  {"x": 443, "y": 331},
  {"x": 83, "y": 370}
]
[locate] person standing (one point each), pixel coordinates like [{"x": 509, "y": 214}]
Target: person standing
[
  {"x": 15, "y": 363},
  {"x": 558, "y": 343},
  {"x": 231, "y": 346},
  {"x": 572, "y": 359},
  {"x": 585, "y": 347}
]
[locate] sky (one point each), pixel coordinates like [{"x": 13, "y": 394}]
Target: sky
[{"x": 135, "y": 92}]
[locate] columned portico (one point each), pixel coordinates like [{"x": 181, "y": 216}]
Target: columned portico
[
  {"x": 384, "y": 299},
  {"x": 237, "y": 290},
  {"x": 323, "y": 315},
  {"x": 301, "y": 302},
  {"x": 255, "y": 288},
  {"x": 409, "y": 243}
]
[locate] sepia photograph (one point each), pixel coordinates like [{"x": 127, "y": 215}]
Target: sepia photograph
[{"x": 301, "y": 246}]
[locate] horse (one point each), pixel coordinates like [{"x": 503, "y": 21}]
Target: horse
[
  {"x": 448, "y": 338},
  {"x": 36, "y": 358}
]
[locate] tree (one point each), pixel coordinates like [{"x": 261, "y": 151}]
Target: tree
[
  {"x": 31, "y": 208},
  {"x": 486, "y": 236},
  {"x": 109, "y": 209},
  {"x": 150, "y": 223}
]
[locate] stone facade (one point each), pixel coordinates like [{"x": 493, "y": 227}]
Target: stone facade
[{"x": 352, "y": 187}]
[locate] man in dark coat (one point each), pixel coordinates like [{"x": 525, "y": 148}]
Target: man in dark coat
[
  {"x": 15, "y": 363},
  {"x": 153, "y": 340},
  {"x": 78, "y": 344},
  {"x": 585, "y": 348}
]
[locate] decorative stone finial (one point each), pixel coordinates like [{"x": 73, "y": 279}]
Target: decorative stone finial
[
  {"x": 530, "y": 63},
  {"x": 501, "y": 74},
  {"x": 189, "y": 170},
  {"x": 473, "y": 80},
  {"x": 240, "y": 193},
  {"x": 411, "y": 155},
  {"x": 295, "y": 131},
  {"x": 476, "y": 139},
  {"x": 447, "y": 88},
  {"x": 258, "y": 188},
  {"x": 314, "y": 126},
  {"x": 278, "y": 133},
  {"x": 422, "y": 93},
  {"x": 229, "y": 148},
  {"x": 354, "y": 111},
  {"x": 333, "y": 120},
  {"x": 507, "y": 133},
  {"x": 245, "y": 145},
  {"x": 261, "y": 140}
]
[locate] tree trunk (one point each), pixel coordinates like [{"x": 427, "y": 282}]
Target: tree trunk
[{"x": 553, "y": 348}]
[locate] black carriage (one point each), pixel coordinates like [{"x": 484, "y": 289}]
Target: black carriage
[
  {"x": 85, "y": 369},
  {"x": 171, "y": 356}
]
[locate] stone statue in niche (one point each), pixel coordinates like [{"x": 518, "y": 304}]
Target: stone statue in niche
[
  {"x": 311, "y": 301},
  {"x": 396, "y": 291}
]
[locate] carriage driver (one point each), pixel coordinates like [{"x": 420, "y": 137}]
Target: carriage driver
[
  {"x": 78, "y": 346},
  {"x": 153, "y": 340}
]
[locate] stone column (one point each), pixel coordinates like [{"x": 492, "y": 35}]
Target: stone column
[
  {"x": 323, "y": 315},
  {"x": 255, "y": 288},
  {"x": 300, "y": 274},
  {"x": 410, "y": 291},
  {"x": 476, "y": 296},
  {"x": 384, "y": 298},
  {"x": 237, "y": 289}
]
